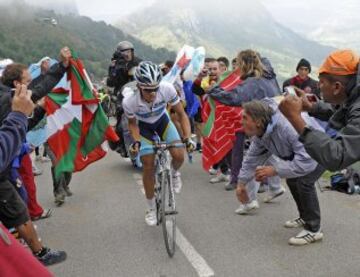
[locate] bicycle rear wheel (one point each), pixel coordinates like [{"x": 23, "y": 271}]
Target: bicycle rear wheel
[{"x": 168, "y": 213}]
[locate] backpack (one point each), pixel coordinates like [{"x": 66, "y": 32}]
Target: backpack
[{"x": 347, "y": 182}]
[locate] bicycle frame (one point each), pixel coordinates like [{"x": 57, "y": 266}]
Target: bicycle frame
[
  {"x": 162, "y": 165},
  {"x": 162, "y": 158},
  {"x": 164, "y": 195}
]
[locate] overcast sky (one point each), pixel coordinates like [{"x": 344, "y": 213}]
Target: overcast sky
[{"x": 110, "y": 10}]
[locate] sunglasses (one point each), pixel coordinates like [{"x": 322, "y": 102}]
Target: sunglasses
[{"x": 150, "y": 90}]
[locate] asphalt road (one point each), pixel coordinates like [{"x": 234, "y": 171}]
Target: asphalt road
[{"x": 102, "y": 229}]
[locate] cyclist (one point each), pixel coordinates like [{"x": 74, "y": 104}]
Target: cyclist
[{"x": 145, "y": 108}]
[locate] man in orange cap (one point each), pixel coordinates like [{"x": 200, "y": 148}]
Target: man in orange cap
[{"x": 339, "y": 81}]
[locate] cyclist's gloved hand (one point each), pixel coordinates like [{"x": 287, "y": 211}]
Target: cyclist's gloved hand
[
  {"x": 134, "y": 148},
  {"x": 190, "y": 145}
]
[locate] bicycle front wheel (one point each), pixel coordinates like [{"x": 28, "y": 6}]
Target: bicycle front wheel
[{"x": 168, "y": 213}]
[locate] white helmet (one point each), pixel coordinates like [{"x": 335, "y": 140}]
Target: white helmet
[
  {"x": 125, "y": 45},
  {"x": 148, "y": 74}
]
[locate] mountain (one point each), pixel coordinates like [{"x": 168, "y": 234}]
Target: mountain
[
  {"x": 223, "y": 27},
  {"x": 340, "y": 30},
  {"x": 26, "y": 36}
]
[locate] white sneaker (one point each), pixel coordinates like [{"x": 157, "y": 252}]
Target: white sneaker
[
  {"x": 220, "y": 178},
  {"x": 177, "y": 183},
  {"x": 246, "y": 208},
  {"x": 213, "y": 171},
  {"x": 294, "y": 223},
  {"x": 150, "y": 217},
  {"x": 306, "y": 237},
  {"x": 271, "y": 195}
]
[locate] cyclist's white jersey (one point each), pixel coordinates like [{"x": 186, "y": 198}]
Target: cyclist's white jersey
[{"x": 135, "y": 107}]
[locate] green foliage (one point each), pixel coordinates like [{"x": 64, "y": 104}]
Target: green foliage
[{"x": 25, "y": 37}]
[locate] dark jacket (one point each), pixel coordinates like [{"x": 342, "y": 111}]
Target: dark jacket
[
  {"x": 343, "y": 150},
  {"x": 40, "y": 87},
  {"x": 38, "y": 80},
  {"x": 12, "y": 136},
  {"x": 309, "y": 83},
  {"x": 250, "y": 89},
  {"x": 118, "y": 74}
]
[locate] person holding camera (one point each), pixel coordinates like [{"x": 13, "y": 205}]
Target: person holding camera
[
  {"x": 120, "y": 73},
  {"x": 302, "y": 80},
  {"x": 122, "y": 62},
  {"x": 339, "y": 82},
  {"x": 200, "y": 86}
]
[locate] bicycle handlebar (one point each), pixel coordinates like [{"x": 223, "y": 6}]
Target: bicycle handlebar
[{"x": 165, "y": 146}]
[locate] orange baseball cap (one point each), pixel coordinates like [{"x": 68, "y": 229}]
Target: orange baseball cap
[{"x": 340, "y": 63}]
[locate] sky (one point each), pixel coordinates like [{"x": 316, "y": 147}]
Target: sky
[{"x": 110, "y": 10}]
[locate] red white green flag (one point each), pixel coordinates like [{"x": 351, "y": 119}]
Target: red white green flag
[
  {"x": 77, "y": 126},
  {"x": 221, "y": 124}
]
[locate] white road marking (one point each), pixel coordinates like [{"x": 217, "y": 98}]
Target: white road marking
[
  {"x": 195, "y": 259},
  {"x": 138, "y": 179}
]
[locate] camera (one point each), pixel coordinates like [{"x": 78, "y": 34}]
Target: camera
[
  {"x": 311, "y": 97},
  {"x": 290, "y": 90},
  {"x": 116, "y": 56},
  {"x": 205, "y": 71}
]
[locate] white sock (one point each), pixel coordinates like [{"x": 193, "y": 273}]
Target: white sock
[{"x": 151, "y": 203}]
